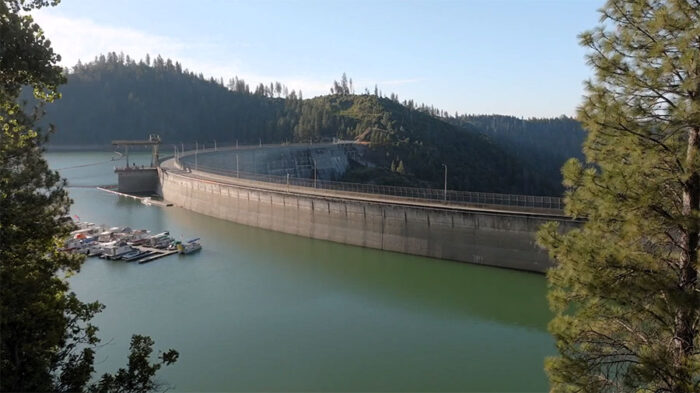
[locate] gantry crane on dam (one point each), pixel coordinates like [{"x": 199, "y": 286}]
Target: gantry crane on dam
[{"x": 135, "y": 179}]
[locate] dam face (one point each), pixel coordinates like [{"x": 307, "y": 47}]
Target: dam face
[
  {"x": 137, "y": 180},
  {"x": 433, "y": 229},
  {"x": 330, "y": 161}
]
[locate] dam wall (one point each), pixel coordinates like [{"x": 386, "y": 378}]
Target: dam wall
[
  {"x": 481, "y": 236},
  {"x": 132, "y": 180},
  {"x": 330, "y": 160}
]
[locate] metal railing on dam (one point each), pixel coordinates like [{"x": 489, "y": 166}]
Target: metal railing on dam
[{"x": 416, "y": 194}]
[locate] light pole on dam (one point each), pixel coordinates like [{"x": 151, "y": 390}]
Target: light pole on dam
[{"x": 445, "y": 193}]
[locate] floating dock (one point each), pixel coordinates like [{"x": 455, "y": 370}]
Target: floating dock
[
  {"x": 145, "y": 200},
  {"x": 156, "y": 253}
]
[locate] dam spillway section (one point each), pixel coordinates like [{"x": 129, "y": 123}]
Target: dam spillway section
[{"x": 291, "y": 189}]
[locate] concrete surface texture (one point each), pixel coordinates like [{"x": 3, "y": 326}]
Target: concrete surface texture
[
  {"x": 459, "y": 233},
  {"x": 137, "y": 180},
  {"x": 330, "y": 160}
]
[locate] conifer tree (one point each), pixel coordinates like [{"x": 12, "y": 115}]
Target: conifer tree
[
  {"x": 625, "y": 287},
  {"x": 400, "y": 168},
  {"x": 47, "y": 342}
]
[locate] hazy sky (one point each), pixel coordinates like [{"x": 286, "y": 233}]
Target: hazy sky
[{"x": 515, "y": 57}]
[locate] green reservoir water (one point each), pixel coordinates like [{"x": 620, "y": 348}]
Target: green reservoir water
[{"x": 263, "y": 311}]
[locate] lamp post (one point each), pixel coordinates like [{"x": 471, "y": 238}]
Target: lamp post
[
  {"x": 237, "y": 173},
  {"x": 445, "y": 194}
]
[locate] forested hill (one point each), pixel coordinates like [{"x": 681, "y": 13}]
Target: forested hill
[
  {"x": 119, "y": 98},
  {"x": 544, "y": 143},
  {"x": 113, "y": 99}
]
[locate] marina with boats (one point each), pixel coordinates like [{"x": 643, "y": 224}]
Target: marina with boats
[{"x": 126, "y": 244}]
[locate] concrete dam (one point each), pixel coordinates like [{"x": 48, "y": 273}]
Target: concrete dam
[
  {"x": 330, "y": 161},
  {"x": 275, "y": 188}
]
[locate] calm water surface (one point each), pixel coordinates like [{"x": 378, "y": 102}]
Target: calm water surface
[{"x": 264, "y": 311}]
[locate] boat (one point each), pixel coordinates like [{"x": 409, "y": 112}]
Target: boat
[
  {"x": 162, "y": 242},
  {"x": 161, "y": 239},
  {"x": 106, "y": 237},
  {"x": 93, "y": 249},
  {"x": 138, "y": 237},
  {"x": 115, "y": 250},
  {"x": 85, "y": 233},
  {"x": 72, "y": 245},
  {"x": 189, "y": 247},
  {"x": 84, "y": 246}
]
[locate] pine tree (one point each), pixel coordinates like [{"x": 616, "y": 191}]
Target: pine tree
[
  {"x": 344, "y": 85},
  {"x": 47, "y": 342},
  {"x": 400, "y": 168},
  {"x": 625, "y": 288}
]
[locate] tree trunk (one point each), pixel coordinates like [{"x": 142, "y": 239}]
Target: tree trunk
[{"x": 684, "y": 329}]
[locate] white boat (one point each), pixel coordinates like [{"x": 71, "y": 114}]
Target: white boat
[
  {"x": 122, "y": 233},
  {"x": 114, "y": 251},
  {"x": 189, "y": 247},
  {"x": 138, "y": 236},
  {"x": 160, "y": 240},
  {"x": 72, "y": 244},
  {"x": 106, "y": 237},
  {"x": 85, "y": 232},
  {"x": 88, "y": 225},
  {"x": 93, "y": 249}
]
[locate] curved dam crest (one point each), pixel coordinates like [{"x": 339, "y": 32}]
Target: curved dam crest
[{"x": 487, "y": 236}]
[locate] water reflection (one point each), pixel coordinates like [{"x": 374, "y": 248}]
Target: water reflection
[
  {"x": 450, "y": 288},
  {"x": 262, "y": 311}
]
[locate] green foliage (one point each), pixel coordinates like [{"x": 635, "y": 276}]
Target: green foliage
[
  {"x": 129, "y": 99},
  {"x": 400, "y": 168},
  {"x": 543, "y": 144},
  {"x": 46, "y": 339},
  {"x": 138, "y": 376},
  {"x": 625, "y": 289}
]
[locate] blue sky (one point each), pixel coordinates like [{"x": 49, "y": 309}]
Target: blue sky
[{"x": 514, "y": 57}]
